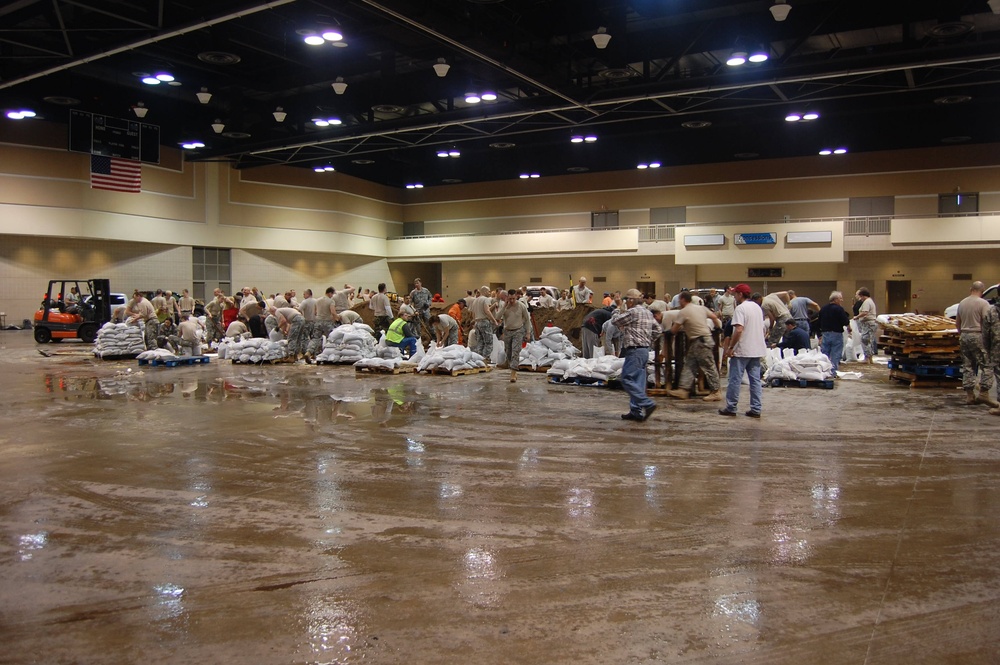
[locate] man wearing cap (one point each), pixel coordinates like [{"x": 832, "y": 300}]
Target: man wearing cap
[
  {"x": 581, "y": 294},
  {"x": 639, "y": 331},
  {"x": 693, "y": 320},
  {"x": 744, "y": 352},
  {"x": 833, "y": 319}
]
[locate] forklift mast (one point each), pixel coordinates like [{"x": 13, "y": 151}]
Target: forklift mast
[{"x": 100, "y": 290}]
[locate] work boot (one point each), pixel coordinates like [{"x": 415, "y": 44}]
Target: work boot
[
  {"x": 970, "y": 397},
  {"x": 984, "y": 398},
  {"x": 503, "y": 366},
  {"x": 680, "y": 393},
  {"x": 513, "y": 376},
  {"x": 995, "y": 412},
  {"x": 714, "y": 396}
]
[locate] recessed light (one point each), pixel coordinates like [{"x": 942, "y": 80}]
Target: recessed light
[
  {"x": 793, "y": 117},
  {"x": 416, "y": 185},
  {"x": 526, "y": 176},
  {"x": 192, "y": 145},
  {"x": 472, "y": 98},
  {"x": 314, "y": 40},
  {"x": 826, "y": 151},
  {"x": 151, "y": 80},
  {"x": 332, "y": 35},
  {"x": 387, "y": 108},
  {"x": 219, "y": 58},
  {"x": 164, "y": 76},
  {"x": 20, "y": 114},
  {"x": 488, "y": 96}
]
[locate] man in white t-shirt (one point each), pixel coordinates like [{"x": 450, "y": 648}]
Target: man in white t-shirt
[{"x": 745, "y": 351}]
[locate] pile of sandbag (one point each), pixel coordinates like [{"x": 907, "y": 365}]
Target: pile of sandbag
[
  {"x": 450, "y": 358},
  {"x": 158, "y": 354},
  {"x": 348, "y": 344},
  {"x": 552, "y": 346},
  {"x": 810, "y": 365},
  {"x": 119, "y": 339},
  {"x": 253, "y": 350},
  {"x": 380, "y": 363},
  {"x": 586, "y": 370}
]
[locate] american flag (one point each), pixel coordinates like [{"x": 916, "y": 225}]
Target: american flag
[{"x": 118, "y": 175}]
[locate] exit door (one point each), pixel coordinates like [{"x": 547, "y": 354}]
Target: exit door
[
  {"x": 897, "y": 299},
  {"x": 646, "y": 287}
]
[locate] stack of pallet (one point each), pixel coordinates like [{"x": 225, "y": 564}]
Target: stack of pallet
[{"x": 924, "y": 350}]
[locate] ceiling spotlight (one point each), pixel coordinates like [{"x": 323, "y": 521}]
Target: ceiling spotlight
[
  {"x": 218, "y": 126},
  {"x": 140, "y": 110},
  {"x": 23, "y": 113},
  {"x": 601, "y": 37},
  {"x": 793, "y": 117},
  {"x": 812, "y": 115},
  {"x": 311, "y": 38},
  {"x": 339, "y": 86},
  {"x": 737, "y": 58},
  {"x": 826, "y": 151},
  {"x": 840, "y": 151},
  {"x": 441, "y": 67},
  {"x": 204, "y": 96},
  {"x": 589, "y": 138},
  {"x": 332, "y": 35},
  {"x": 780, "y": 9},
  {"x": 758, "y": 56},
  {"x": 472, "y": 98},
  {"x": 150, "y": 80},
  {"x": 576, "y": 139},
  {"x": 651, "y": 165},
  {"x": 488, "y": 96},
  {"x": 192, "y": 145},
  {"x": 836, "y": 151},
  {"x": 279, "y": 114},
  {"x": 416, "y": 185},
  {"x": 449, "y": 153},
  {"x": 164, "y": 76},
  {"x": 326, "y": 122},
  {"x": 642, "y": 166},
  {"x": 525, "y": 176}
]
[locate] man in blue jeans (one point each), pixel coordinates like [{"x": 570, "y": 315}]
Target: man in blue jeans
[
  {"x": 833, "y": 318},
  {"x": 639, "y": 330},
  {"x": 745, "y": 350}
]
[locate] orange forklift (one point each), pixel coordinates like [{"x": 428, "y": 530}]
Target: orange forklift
[{"x": 73, "y": 309}]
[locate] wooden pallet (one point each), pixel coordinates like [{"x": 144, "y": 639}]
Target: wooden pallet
[
  {"x": 536, "y": 370},
  {"x": 917, "y": 381},
  {"x": 460, "y": 372},
  {"x": 925, "y": 369},
  {"x": 826, "y": 384},
  {"x": 328, "y": 362},
  {"x": 405, "y": 368},
  {"x": 175, "y": 362},
  {"x": 919, "y": 324}
]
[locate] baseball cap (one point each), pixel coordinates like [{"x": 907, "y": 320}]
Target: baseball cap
[
  {"x": 633, "y": 293},
  {"x": 743, "y": 288}
]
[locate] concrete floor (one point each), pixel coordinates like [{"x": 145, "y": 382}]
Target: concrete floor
[{"x": 296, "y": 514}]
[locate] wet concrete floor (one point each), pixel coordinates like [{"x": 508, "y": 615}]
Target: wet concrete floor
[{"x": 297, "y": 514}]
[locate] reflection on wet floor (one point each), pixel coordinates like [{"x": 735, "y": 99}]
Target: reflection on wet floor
[{"x": 301, "y": 514}]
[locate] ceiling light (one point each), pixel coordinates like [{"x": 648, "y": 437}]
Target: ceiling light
[
  {"x": 758, "y": 56},
  {"x": 576, "y": 139},
  {"x": 441, "y": 67},
  {"x": 20, "y": 114},
  {"x": 218, "y": 126},
  {"x": 204, "y": 96},
  {"x": 642, "y": 166},
  {"x": 192, "y": 145},
  {"x": 164, "y": 76},
  {"x": 339, "y": 86},
  {"x": 140, "y": 110},
  {"x": 442, "y": 153},
  {"x": 601, "y": 37},
  {"x": 332, "y": 35},
  {"x": 326, "y": 122},
  {"x": 780, "y": 9},
  {"x": 314, "y": 40},
  {"x": 826, "y": 151},
  {"x": 590, "y": 138},
  {"x": 812, "y": 115},
  {"x": 488, "y": 96},
  {"x": 279, "y": 114},
  {"x": 150, "y": 80},
  {"x": 472, "y": 98},
  {"x": 737, "y": 58},
  {"x": 793, "y": 117},
  {"x": 449, "y": 153},
  {"x": 525, "y": 176},
  {"x": 416, "y": 185},
  {"x": 840, "y": 151},
  {"x": 836, "y": 151}
]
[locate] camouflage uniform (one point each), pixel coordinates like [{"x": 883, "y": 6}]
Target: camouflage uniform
[
  {"x": 484, "y": 338},
  {"x": 974, "y": 358},
  {"x": 700, "y": 355},
  {"x": 298, "y": 337},
  {"x": 991, "y": 345}
]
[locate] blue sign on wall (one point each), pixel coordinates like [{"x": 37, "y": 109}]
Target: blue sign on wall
[{"x": 755, "y": 238}]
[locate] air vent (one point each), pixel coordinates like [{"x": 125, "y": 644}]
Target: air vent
[
  {"x": 451, "y": 181},
  {"x": 600, "y": 280},
  {"x": 61, "y": 101},
  {"x": 362, "y": 162},
  {"x": 534, "y": 280},
  {"x": 387, "y": 108},
  {"x": 219, "y": 58},
  {"x": 953, "y": 99},
  {"x": 578, "y": 169},
  {"x": 696, "y": 124},
  {"x": 236, "y": 135},
  {"x": 950, "y": 30},
  {"x": 616, "y": 74}
]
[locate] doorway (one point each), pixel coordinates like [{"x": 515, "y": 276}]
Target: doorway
[
  {"x": 897, "y": 300},
  {"x": 646, "y": 287}
]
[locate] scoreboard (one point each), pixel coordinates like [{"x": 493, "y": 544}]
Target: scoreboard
[{"x": 113, "y": 137}]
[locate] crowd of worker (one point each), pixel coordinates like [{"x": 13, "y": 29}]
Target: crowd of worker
[{"x": 743, "y": 324}]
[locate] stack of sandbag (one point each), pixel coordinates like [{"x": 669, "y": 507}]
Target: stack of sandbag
[
  {"x": 119, "y": 339},
  {"x": 450, "y": 358},
  {"x": 158, "y": 354},
  {"x": 253, "y": 350},
  {"x": 587, "y": 370},
  {"x": 348, "y": 344},
  {"x": 810, "y": 365},
  {"x": 551, "y": 347},
  {"x": 380, "y": 363}
]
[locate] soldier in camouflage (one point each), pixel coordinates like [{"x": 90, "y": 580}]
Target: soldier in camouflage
[
  {"x": 991, "y": 343},
  {"x": 969, "y": 322}
]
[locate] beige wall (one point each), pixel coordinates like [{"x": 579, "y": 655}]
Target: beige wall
[{"x": 276, "y": 272}]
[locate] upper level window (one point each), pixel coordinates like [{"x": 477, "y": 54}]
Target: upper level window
[{"x": 958, "y": 202}]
